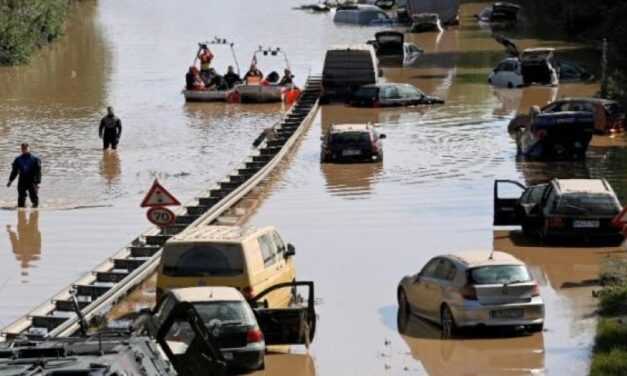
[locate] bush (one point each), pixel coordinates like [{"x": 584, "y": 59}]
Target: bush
[
  {"x": 611, "y": 335},
  {"x": 28, "y": 24},
  {"x": 613, "y": 363},
  {"x": 613, "y": 300}
]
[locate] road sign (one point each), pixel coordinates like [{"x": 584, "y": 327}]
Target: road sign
[
  {"x": 160, "y": 216},
  {"x": 159, "y": 196}
]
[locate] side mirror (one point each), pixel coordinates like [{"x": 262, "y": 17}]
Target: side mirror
[
  {"x": 291, "y": 251},
  {"x": 382, "y": 136}
]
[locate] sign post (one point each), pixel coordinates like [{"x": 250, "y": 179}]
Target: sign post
[{"x": 156, "y": 200}]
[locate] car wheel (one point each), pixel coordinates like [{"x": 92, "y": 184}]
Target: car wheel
[
  {"x": 510, "y": 85},
  {"x": 490, "y": 81},
  {"x": 535, "y": 328},
  {"x": 449, "y": 328}
]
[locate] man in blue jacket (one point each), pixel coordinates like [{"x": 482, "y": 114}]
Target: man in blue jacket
[{"x": 28, "y": 167}]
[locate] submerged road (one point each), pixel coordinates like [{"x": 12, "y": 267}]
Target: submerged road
[{"x": 357, "y": 229}]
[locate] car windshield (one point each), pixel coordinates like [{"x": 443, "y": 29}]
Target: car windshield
[
  {"x": 205, "y": 259},
  {"x": 587, "y": 203},
  {"x": 225, "y": 312},
  {"x": 499, "y": 274},
  {"x": 350, "y": 138}
]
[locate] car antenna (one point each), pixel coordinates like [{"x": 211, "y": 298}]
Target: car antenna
[{"x": 491, "y": 257}]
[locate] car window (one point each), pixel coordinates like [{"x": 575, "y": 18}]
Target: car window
[
  {"x": 225, "y": 311},
  {"x": 215, "y": 259},
  {"x": 551, "y": 200},
  {"x": 446, "y": 270},
  {"x": 390, "y": 92},
  {"x": 581, "y": 203},
  {"x": 369, "y": 92},
  {"x": 280, "y": 244},
  {"x": 499, "y": 274},
  {"x": 430, "y": 269},
  {"x": 268, "y": 249},
  {"x": 533, "y": 194},
  {"x": 408, "y": 91},
  {"x": 350, "y": 139}
]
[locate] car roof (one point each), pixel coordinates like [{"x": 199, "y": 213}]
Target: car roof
[
  {"x": 473, "y": 259},
  {"x": 352, "y": 47},
  {"x": 339, "y": 128},
  {"x": 566, "y": 186},
  {"x": 222, "y": 234},
  {"x": 587, "y": 99},
  {"x": 207, "y": 294}
]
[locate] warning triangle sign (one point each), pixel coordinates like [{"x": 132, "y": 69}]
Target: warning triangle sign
[{"x": 159, "y": 196}]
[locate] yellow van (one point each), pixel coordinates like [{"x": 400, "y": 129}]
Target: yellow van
[{"x": 246, "y": 258}]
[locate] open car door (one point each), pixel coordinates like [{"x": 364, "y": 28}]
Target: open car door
[
  {"x": 510, "y": 47},
  {"x": 184, "y": 339},
  {"x": 293, "y": 325},
  {"x": 506, "y": 211}
]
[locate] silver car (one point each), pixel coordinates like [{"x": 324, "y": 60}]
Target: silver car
[{"x": 474, "y": 289}]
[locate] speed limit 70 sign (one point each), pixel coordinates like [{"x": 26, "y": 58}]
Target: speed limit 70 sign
[{"x": 161, "y": 216}]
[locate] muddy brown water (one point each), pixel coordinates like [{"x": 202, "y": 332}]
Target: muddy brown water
[{"x": 357, "y": 228}]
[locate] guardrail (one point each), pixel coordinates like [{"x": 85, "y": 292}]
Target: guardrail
[{"x": 115, "y": 277}]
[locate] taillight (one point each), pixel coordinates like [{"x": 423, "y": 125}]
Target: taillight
[
  {"x": 541, "y": 134},
  {"x": 248, "y": 292},
  {"x": 555, "y": 222},
  {"x": 469, "y": 292},
  {"x": 535, "y": 291},
  {"x": 254, "y": 335}
]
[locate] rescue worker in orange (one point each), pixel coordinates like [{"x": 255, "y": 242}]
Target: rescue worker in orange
[
  {"x": 254, "y": 75},
  {"x": 206, "y": 57}
]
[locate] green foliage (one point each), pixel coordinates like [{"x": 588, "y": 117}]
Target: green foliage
[
  {"x": 611, "y": 335},
  {"x": 617, "y": 86},
  {"x": 28, "y": 24},
  {"x": 613, "y": 363}
]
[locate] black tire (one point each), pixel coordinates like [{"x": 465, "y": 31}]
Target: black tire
[
  {"x": 490, "y": 81},
  {"x": 535, "y": 328},
  {"x": 447, "y": 321},
  {"x": 510, "y": 85}
]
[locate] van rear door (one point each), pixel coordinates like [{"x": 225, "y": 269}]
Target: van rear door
[{"x": 295, "y": 325}]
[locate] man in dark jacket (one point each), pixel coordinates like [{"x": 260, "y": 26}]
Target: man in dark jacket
[
  {"x": 110, "y": 130},
  {"x": 28, "y": 167}
]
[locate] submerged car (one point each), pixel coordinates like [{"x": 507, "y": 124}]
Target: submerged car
[
  {"x": 500, "y": 12},
  {"x": 609, "y": 116},
  {"x": 425, "y": 22},
  {"x": 242, "y": 329},
  {"x": 345, "y": 69},
  {"x": 532, "y": 66},
  {"x": 361, "y": 14},
  {"x": 473, "y": 289},
  {"x": 561, "y": 208},
  {"x": 556, "y": 136},
  {"x": 352, "y": 143},
  {"x": 391, "y": 48},
  {"x": 390, "y": 95},
  {"x": 447, "y": 10}
]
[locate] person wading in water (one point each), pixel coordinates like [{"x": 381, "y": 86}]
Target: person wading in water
[
  {"x": 28, "y": 167},
  {"x": 110, "y": 130}
]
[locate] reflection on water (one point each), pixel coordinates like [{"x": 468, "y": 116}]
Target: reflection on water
[
  {"x": 110, "y": 167},
  {"x": 351, "y": 180},
  {"x": 478, "y": 354},
  {"x": 26, "y": 239}
]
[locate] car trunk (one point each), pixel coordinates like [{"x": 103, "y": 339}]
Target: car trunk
[
  {"x": 351, "y": 145},
  {"x": 232, "y": 336},
  {"x": 536, "y": 72},
  {"x": 497, "y": 294},
  {"x": 563, "y": 135}
]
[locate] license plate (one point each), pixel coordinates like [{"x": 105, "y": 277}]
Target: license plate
[
  {"x": 351, "y": 153},
  {"x": 227, "y": 355},
  {"x": 508, "y": 314},
  {"x": 586, "y": 224}
]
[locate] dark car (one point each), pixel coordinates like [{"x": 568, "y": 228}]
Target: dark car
[
  {"x": 500, "y": 12},
  {"x": 242, "y": 329},
  {"x": 352, "y": 143},
  {"x": 609, "y": 116},
  {"x": 389, "y": 95},
  {"x": 561, "y": 208}
]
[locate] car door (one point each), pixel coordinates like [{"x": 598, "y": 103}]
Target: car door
[
  {"x": 292, "y": 325},
  {"x": 185, "y": 340},
  {"x": 274, "y": 270},
  {"x": 390, "y": 96},
  {"x": 420, "y": 289},
  {"x": 506, "y": 211}
]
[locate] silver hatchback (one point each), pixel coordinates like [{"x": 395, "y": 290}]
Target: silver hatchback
[{"x": 473, "y": 289}]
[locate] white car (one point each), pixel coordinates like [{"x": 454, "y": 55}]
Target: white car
[
  {"x": 473, "y": 289},
  {"x": 532, "y": 66}
]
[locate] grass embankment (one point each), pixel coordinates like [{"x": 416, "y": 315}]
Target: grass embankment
[
  {"x": 26, "y": 25},
  {"x": 610, "y": 349}
]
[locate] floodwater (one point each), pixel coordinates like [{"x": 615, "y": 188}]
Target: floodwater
[{"x": 357, "y": 228}]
